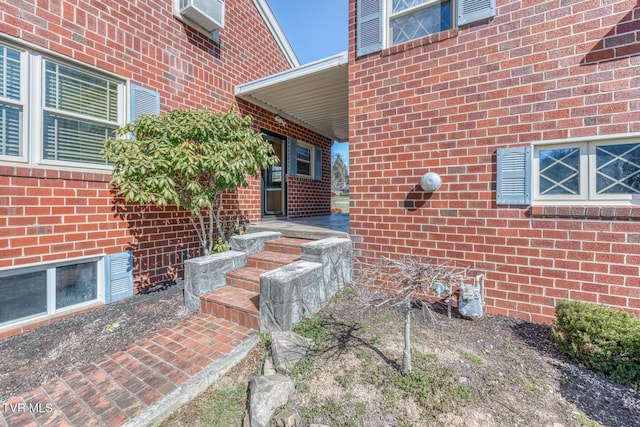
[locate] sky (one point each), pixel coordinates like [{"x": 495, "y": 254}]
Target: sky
[{"x": 315, "y": 29}]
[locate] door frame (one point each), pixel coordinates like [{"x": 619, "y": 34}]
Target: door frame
[{"x": 263, "y": 181}]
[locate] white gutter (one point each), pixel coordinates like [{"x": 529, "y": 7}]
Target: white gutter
[
  {"x": 273, "y": 25},
  {"x": 338, "y": 60}
]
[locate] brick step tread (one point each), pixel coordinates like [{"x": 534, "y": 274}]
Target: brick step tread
[
  {"x": 286, "y": 245},
  {"x": 251, "y": 274},
  {"x": 271, "y": 260},
  {"x": 235, "y": 298},
  {"x": 246, "y": 278}
]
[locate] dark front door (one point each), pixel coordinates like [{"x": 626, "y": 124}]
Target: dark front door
[{"x": 273, "y": 182}]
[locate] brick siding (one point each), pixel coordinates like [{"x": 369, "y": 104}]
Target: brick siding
[
  {"x": 540, "y": 70},
  {"x": 48, "y": 214}
]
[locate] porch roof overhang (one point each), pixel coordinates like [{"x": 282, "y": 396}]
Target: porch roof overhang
[{"x": 314, "y": 95}]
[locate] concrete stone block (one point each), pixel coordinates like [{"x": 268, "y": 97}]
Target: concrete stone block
[
  {"x": 204, "y": 274},
  {"x": 336, "y": 256},
  {"x": 253, "y": 243},
  {"x": 289, "y": 294}
]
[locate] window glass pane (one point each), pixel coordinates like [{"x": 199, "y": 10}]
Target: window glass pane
[
  {"x": 76, "y": 284},
  {"x": 74, "y": 141},
  {"x": 560, "y": 171},
  {"x": 399, "y": 5},
  {"x": 23, "y": 295},
  {"x": 9, "y": 130},
  {"x": 274, "y": 172},
  {"x": 304, "y": 153},
  {"x": 304, "y": 168},
  {"x": 430, "y": 20},
  {"x": 618, "y": 169},
  {"x": 9, "y": 73},
  {"x": 71, "y": 90}
]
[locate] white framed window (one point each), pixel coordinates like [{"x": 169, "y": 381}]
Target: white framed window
[
  {"x": 385, "y": 23},
  {"x": 45, "y": 290},
  {"x": 55, "y": 112},
  {"x": 592, "y": 171},
  {"x": 412, "y": 19},
  {"x": 304, "y": 159},
  {"x": 588, "y": 171}
]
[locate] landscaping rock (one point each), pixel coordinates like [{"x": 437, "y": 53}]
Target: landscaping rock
[
  {"x": 267, "y": 393},
  {"x": 267, "y": 367},
  {"x": 287, "y": 418},
  {"x": 287, "y": 349}
]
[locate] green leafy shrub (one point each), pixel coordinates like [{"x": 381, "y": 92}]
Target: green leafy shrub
[
  {"x": 601, "y": 338},
  {"x": 189, "y": 159}
]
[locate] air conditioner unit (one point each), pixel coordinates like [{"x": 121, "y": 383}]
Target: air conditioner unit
[{"x": 207, "y": 14}]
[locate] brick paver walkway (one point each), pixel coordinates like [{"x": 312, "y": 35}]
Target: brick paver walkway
[{"x": 116, "y": 388}]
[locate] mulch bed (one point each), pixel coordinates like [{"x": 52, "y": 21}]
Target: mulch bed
[{"x": 31, "y": 359}]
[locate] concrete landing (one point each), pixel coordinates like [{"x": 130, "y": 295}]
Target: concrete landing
[{"x": 312, "y": 228}]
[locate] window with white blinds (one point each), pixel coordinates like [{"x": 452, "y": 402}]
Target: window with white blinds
[
  {"x": 71, "y": 113},
  {"x": 80, "y": 113}
]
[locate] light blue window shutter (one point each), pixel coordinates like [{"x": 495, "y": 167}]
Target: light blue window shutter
[
  {"x": 513, "y": 176},
  {"x": 369, "y": 26},
  {"x": 475, "y": 10},
  {"x": 317, "y": 164},
  {"x": 118, "y": 277},
  {"x": 293, "y": 157},
  {"x": 143, "y": 101}
]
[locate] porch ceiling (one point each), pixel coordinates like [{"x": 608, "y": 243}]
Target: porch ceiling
[{"x": 314, "y": 95}]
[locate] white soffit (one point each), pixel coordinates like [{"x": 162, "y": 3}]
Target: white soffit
[{"x": 314, "y": 95}]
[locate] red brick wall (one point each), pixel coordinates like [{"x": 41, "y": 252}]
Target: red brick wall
[
  {"x": 539, "y": 70},
  {"x": 47, "y": 214}
]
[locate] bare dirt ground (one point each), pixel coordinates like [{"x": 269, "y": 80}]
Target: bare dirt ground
[
  {"x": 495, "y": 371},
  {"x": 30, "y": 359}
]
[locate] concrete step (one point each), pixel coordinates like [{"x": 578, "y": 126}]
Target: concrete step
[
  {"x": 237, "y": 305},
  {"x": 246, "y": 278},
  {"x": 268, "y": 260},
  {"x": 286, "y": 245}
]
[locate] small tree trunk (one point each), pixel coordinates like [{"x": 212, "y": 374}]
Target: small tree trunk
[
  {"x": 406, "y": 359},
  {"x": 219, "y": 223}
]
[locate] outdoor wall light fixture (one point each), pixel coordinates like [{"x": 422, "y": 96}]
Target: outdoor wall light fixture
[
  {"x": 279, "y": 120},
  {"x": 430, "y": 182}
]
